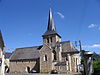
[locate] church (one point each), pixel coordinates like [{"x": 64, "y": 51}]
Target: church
[{"x": 54, "y": 54}]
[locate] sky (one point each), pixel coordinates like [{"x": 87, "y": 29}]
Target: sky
[{"x": 23, "y": 22}]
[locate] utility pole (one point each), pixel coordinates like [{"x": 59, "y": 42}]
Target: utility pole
[
  {"x": 81, "y": 55},
  {"x": 81, "y": 51},
  {"x": 80, "y": 45}
]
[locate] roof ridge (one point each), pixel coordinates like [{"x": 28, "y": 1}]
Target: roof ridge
[{"x": 29, "y": 47}]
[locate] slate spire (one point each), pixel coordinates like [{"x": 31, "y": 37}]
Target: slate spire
[
  {"x": 1, "y": 40},
  {"x": 51, "y": 29},
  {"x": 51, "y": 25}
]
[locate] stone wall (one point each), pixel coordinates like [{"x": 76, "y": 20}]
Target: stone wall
[
  {"x": 21, "y": 66},
  {"x": 51, "y": 40},
  {"x": 75, "y": 61},
  {"x": 45, "y": 64},
  {"x": 7, "y": 62},
  {"x": 72, "y": 61}
]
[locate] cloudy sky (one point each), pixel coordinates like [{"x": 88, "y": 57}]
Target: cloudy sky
[{"x": 23, "y": 22}]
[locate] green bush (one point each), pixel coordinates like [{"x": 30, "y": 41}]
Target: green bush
[{"x": 96, "y": 65}]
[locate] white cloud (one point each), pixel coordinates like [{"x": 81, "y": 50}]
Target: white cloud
[
  {"x": 92, "y": 25},
  {"x": 60, "y": 14},
  {"x": 96, "y": 26},
  {"x": 92, "y": 46}
]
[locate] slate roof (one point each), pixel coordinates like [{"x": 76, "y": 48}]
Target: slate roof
[
  {"x": 61, "y": 63},
  {"x": 67, "y": 46},
  {"x": 26, "y": 53},
  {"x": 50, "y": 33}
]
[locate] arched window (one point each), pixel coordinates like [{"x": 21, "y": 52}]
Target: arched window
[
  {"x": 54, "y": 55},
  {"x": 66, "y": 58},
  {"x": 28, "y": 69},
  {"x": 45, "y": 58}
]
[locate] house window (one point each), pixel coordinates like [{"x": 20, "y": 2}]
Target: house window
[
  {"x": 54, "y": 55},
  {"x": 45, "y": 58}
]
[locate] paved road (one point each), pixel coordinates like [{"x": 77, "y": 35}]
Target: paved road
[{"x": 38, "y": 74}]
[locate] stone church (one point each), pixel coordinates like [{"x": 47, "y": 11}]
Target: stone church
[{"x": 52, "y": 55}]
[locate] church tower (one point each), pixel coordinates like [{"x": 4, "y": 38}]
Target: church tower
[{"x": 51, "y": 37}]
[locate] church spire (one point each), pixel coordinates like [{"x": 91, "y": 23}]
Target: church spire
[
  {"x": 51, "y": 37},
  {"x": 51, "y": 29},
  {"x": 51, "y": 26}
]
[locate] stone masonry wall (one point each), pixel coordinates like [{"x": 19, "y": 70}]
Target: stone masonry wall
[
  {"x": 21, "y": 66},
  {"x": 45, "y": 66}
]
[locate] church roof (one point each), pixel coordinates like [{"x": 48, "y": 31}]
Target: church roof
[
  {"x": 51, "y": 29},
  {"x": 26, "y": 53},
  {"x": 1, "y": 40},
  {"x": 60, "y": 63},
  {"x": 67, "y": 46}
]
